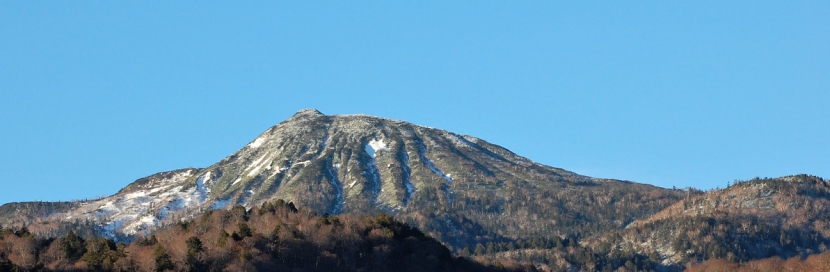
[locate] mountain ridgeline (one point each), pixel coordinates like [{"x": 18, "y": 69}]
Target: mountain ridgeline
[
  {"x": 464, "y": 192},
  {"x": 460, "y": 189}
]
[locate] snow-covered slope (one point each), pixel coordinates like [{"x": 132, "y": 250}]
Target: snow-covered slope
[
  {"x": 140, "y": 207},
  {"x": 161, "y": 201}
]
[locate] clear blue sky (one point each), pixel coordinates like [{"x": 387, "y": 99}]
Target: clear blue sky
[{"x": 94, "y": 94}]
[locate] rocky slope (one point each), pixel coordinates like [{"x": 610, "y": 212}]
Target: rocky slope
[{"x": 457, "y": 188}]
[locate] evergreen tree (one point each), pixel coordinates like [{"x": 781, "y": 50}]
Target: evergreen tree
[
  {"x": 162, "y": 259},
  {"x": 465, "y": 252},
  {"x": 244, "y": 230},
  {"x": 73, "y": 246},
  {"x": 194, "y": 246},
  {"x": 479, "y": 251}
]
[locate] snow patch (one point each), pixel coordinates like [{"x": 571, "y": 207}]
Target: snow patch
[
  {"x": 257, "y": 143},
  {"x": 374, "y": 146},
  {"x": 141, "y": 224}
]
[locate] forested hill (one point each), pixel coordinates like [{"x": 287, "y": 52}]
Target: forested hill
[
  {"x": 769, "y": 219},
  {"x": 274, "y": 237},
  {"x": 754, "y": 219}
]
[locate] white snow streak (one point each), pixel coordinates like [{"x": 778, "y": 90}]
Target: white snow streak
[
  {"x": 257, "y": 165},
  {"x": 437, "y": 171},
  {"x": 335, "y": 184},
  {"x": 422, "y": 150},
  {"x": 406, "y": 178}
]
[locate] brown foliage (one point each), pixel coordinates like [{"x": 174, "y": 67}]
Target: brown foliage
[
  {"x": 280, "y": 238},
  {"x": 815, "y": 262}
]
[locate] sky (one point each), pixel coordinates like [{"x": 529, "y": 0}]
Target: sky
[{"x": 94, "y": 94}]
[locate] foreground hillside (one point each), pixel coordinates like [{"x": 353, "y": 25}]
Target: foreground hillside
[{"x": 273, "y": 237}]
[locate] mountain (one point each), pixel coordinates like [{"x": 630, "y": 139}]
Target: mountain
[
  {"x": 460, "y": 189},
  {"x": 755, "y": 219}
]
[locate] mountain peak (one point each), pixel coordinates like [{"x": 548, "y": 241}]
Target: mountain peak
[
  {"x": 445, "y": 183},
  {"x": 308, "y": 112}
]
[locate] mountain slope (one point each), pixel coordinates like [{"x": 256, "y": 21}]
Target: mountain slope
[
  {"x": 460, "y": 189},
  {"x": 754, "y": 219}
]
